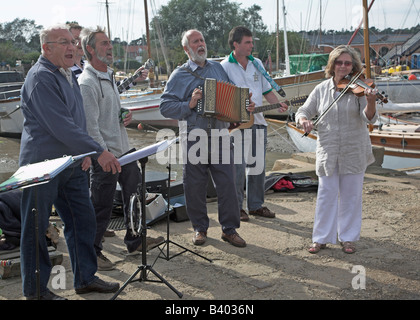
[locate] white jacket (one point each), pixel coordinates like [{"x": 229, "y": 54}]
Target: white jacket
[{"x": 343, "y": 136}]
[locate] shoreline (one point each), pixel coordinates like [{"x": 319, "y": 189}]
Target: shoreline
[{"x": 275, "y": 264}]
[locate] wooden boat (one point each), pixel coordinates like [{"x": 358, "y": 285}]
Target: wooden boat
[{"x": 397, "y": 140}]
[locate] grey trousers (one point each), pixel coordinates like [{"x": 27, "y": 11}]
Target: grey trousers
[{"x": 195, "y": 176}]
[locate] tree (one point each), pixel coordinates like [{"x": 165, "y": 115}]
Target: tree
[{"x": 214, "y": 18}]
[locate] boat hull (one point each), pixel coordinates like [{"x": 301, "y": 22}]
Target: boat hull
[
  {"x": 399, "y": 91},
  {"x": 145, "y": 110},
  {"x": 11, "y": 117},
  {"x": 395, "y": 143}
]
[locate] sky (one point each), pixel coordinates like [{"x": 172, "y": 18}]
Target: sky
[{"x": 127, "y": 16}]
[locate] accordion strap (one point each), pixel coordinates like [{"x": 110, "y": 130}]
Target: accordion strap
[{"x": 195, "y": 74}]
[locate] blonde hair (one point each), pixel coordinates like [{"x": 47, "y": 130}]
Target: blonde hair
[{"x": 357, "y": 63}]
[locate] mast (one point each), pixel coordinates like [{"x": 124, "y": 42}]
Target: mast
[
  {"x": 366, "y": 38},
  {"x": 107, "y": 19},
  {"x": 149, "y": 49},
  {"x": 320, "y": 21},
  {"x": 277, "y": 39},
  {"x": 286, "y": 50}
]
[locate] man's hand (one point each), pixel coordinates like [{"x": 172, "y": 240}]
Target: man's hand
[
  {"x": 109, "y": 163},
  {"x": 196, "y": 95},
  {"x": 144, "y": 72},
  {"x": 251, "y": 106},
  {"x": 283, "y": 107},
  {"x": 128, "y": 118},
  {"x": 87, "y": 161}
]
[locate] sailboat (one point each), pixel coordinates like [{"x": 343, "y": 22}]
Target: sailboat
[
  {"x": 145, "y": 105},
  {"x": 299, "y": 84}
]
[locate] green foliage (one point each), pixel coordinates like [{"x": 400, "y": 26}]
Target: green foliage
[{"x": 214, "y": 18}]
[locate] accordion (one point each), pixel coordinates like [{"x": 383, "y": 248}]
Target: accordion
[{"x": 224, "y": 101}]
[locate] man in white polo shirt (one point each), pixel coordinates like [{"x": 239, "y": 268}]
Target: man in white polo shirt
[{"x": 241, "y": 70}]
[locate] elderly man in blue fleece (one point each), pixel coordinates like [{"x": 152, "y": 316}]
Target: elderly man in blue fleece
[
  {"x": 179, "y": 101},
  {"x": 54, "y": 126}
]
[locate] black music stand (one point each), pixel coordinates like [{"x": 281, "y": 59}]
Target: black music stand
[
  {"x": 144, "y": 267},
  {"x": 33, "y": 175},
  {"x": 168, "y": 241}
]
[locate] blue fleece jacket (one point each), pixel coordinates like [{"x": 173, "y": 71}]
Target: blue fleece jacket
[{"x": 54, "y": 117}]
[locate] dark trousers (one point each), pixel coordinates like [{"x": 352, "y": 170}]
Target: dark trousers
[
  {"x": 195, "y": 176},
  {"x": 69, "y": 193},
  {"x": 102, "y": 187}
]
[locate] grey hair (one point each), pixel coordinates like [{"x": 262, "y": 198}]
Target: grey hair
[
  {"x": 186, "y": 35},
  {"x": 44, "y": 34},
  {"x": 88, "y": 37}
]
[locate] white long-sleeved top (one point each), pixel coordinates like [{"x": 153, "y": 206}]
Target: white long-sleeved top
[{"x": 343, "y": 136}]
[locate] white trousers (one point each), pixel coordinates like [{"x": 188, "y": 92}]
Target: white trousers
[{"x": 338, "y": 210}]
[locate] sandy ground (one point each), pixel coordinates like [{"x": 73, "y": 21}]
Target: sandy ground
[{"x": 275, "y": 264}]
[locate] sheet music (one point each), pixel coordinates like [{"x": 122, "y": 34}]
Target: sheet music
[
  {"x": 147, "y": 151},
  {"x": 39, "y": 172}
]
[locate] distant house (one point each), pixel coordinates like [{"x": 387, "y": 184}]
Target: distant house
[
  {"x": 135, "y": 51},
  {"x": 380, "y": 45}
]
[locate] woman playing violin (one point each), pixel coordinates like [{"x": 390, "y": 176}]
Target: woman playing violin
[{"x": 343, "y": 151}]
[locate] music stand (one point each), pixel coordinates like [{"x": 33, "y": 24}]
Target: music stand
[
  {"x": 33, "y": 175},
  {"x": 168, "y": 241},
  {"x": 142, "y": 156}
]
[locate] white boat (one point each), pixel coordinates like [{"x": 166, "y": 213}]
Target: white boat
[
  {"x": 401, "y": 143},
  {"x": 11, "y": 118},
  {"x": 145, "y": 110},
  {"x": 398, "y": 89}
]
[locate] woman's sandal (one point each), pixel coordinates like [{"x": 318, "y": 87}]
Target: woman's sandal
[
  {"x": 315, "y": 247},
  {"x": 348, "y": 247}
]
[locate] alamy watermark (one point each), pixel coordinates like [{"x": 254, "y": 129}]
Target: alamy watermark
[
  {"x": 359, "y": 281},
  {"x": 220, "y": 147}
]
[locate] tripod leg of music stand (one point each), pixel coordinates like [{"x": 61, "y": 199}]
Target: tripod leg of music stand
[
  {"x": 144, "y": 267},
  {"x": 167, "y": 223},
  {"x": 129, "y": 280},
  {"x": 185, "y": 250},
  {"x": 179, "y": 294}
]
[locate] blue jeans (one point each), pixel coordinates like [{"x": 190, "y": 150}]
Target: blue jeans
[
  {"x": 250, "y": 174},
  {"x": 69, "y": 193}
]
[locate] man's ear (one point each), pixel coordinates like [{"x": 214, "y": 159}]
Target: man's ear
[
  {"x": 46, "y": 48},
  {"x": 90, "y": 49}
]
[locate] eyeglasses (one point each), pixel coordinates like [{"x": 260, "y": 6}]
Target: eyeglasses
[
  {"x": 65, "y": 43},
  {"x": 340, "y": 63}
]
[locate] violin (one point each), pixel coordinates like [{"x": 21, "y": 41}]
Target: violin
[{"x": 359, "y": 86}]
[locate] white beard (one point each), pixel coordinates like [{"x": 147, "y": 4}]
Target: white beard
[{"x": 196, "y": 57}]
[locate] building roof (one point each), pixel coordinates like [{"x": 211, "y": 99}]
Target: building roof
[{"x": 335, "y": 40}]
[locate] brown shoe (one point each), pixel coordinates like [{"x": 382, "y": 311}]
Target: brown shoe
[
  {"x": 234, "y": 239},
  {"x": 151, "y": 243},
  {"x": 263, "y": 212},
  {"x": 104, "y": 264},
  {"x": 199, "y": 238},
  {"x": 244, "y": 215}
]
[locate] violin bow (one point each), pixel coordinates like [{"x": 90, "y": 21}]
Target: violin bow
[{"x": 352, "y": 81}]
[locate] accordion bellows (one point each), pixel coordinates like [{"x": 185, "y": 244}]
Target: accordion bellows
[{"x": 224, "y": 101}]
